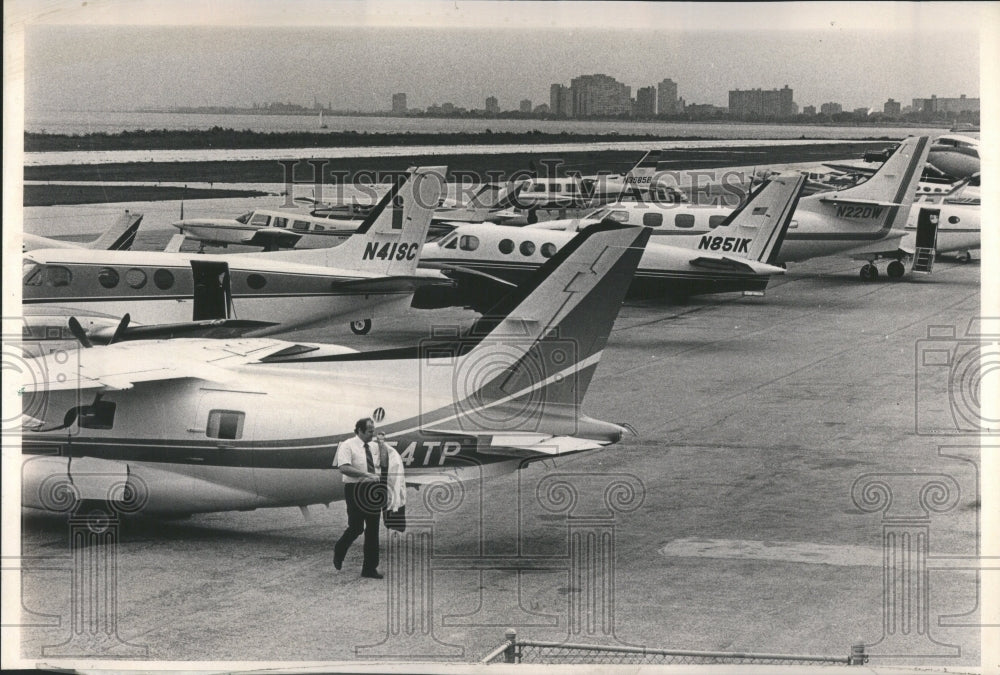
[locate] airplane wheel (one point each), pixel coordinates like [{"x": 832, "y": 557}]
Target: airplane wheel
[
  {"x": 361, "y": 327},
  {"x": 869, "y": 272},
  {"x": 895, "y": 270},
  {"x": 964, "y": 257}
]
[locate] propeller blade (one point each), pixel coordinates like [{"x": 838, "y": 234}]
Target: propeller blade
[
  {"x": 120, "y": 330},
  {"x": 79, "y": 333}
]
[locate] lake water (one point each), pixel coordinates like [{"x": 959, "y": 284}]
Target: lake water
[{"x": 73, "y": 122}]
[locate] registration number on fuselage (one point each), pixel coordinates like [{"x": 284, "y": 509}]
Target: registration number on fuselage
[
  {"x": 393, "y": 251},
  {"x": 859, "y": 211},
  {"x": 734, "y": 244}
]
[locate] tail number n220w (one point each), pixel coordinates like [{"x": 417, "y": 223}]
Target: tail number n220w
[
  {"x": 394, "y": 251},
  {"x": 859, "y": 211},
  {"x": 734, "y": 244}
]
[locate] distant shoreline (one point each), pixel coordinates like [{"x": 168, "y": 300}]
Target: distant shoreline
[{"x": 218, "y": 137}]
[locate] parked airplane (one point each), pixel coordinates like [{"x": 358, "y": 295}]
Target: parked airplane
[
  {"x": 272, "y": 230},
  {"x": 486, "y": 259},
  {"x": 187, "y": 426},
  {"x": 119, "y": 237},
  {"x": 951, "y": 157},
  {"x": 868, "y": 221},
  {"x": 371, "y": 274}
]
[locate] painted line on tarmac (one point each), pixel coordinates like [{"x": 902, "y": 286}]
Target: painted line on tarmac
[{"x": 777, "y": 551}]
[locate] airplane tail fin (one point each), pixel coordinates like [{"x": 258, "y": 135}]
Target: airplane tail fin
[
  {"x": 120, "y": 236},
  {"x": 640, "y": 177},
  {"x": 389, "y": 239},
  {"x": 542, "y": 343},
  {"x": 766, "y": 216},
  {"x": 886, "y": 197},
  {"x": 507, "y": 197}
]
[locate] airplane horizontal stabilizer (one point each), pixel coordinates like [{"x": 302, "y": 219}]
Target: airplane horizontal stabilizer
[{"x": 723, "y": 264}]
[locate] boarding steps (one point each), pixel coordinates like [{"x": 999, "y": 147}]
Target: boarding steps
[{"x": 923, "y": 260}]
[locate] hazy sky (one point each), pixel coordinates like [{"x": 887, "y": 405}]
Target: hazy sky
[{"x": 356, "y": 55}]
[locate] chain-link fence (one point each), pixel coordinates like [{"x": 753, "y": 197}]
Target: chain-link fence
[{"x": 514, "y": 650}]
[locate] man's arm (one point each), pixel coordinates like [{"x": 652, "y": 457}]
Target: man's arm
[{"x": 355, "y": 472}]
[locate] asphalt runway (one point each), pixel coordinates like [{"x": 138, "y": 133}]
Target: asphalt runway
[{"x": 794, "y": 487}]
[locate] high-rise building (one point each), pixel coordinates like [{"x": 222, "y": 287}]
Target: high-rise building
[
  {"x": 831, "y": 108},
  {"x": 525, "y": 106},
  {"x": 399, "y": 104},
  {"x": 492, "y": 106},
  {"x": 809, "y": 110},
  {"x": 600, "y": 96},
  {"x": 946, "y": 105},
  {"x": 667, "y": 98},
  {"x": 561, "y": 100},
  {"x": 760, "y": 103},
  {"x": 645, "y": 102},
  {"x": 892, "y": 108}
]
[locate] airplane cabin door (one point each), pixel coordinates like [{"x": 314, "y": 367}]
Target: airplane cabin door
[
  {"x": 926, "y": 242},
  {"x": 213, "y": 296},
  {"x": 221, "y": 452}
]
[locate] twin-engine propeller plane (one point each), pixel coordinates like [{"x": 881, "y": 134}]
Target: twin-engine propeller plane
[
  {"x": 190, "y": 425},
  {"x": 870, "y": 221},
  {"x": 372, "y": 273},
  {"x": 737, "y": 256},
  {"x": 118, "y": 237}
]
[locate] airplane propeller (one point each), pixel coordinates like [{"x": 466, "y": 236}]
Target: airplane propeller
[
  {"x": 120, "y": 330},
  {"x": 79, "y": 333}
]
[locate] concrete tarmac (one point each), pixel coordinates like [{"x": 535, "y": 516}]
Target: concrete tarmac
[{"x": 794, "y": 487}]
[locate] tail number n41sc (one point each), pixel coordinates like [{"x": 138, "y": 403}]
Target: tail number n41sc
[
  {"x": 859, "y": 211},
  {"x": 395, "y": 251},
  {"x": 734, "y": 244}
]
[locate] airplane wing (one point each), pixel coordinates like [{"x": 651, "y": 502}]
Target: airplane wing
[
  {"x": 122, "y": 365},
  {"x": 210, "y": 328},
  {"x": 273, "y": 238}
]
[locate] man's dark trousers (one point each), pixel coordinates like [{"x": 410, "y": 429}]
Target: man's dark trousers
[{"x": 364, "y": 510}]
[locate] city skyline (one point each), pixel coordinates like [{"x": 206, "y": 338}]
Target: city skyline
[{"x": 359, "y": 68}]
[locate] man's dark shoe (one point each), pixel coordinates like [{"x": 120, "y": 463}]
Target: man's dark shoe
[
  {"x": 337, "y": 562},
  {"x": 372, "y": 575}
]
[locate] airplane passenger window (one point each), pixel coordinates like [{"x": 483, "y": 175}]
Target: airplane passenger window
[
  {"x": 548, "y": 250},
  {"x": 107, "y": 277},
  {"x": 538, "y": 187},
  {"x": 260, "y": 220},
  {"x": 652, "y": 219},
  {"x": 135, "y": 278},
  {"x": 506, "y": 246},
  {"x": 715, "y": 221},
  {"x": 56, "y": 276},
  {"x": 953, "y": 219},
  {"x": 683, "y": 220},
  {"x": 256, "y": 282},
  {"x": 319, "y": 228},
  {"x": 163, "y": 279},
  {"x": 226, "y": 424},
  {"x": 468, "y": 242},
  {"x": 557, "y": 188},
  {"x": 570, "y": 188},
  {"x": 300, "y": 225},
  {"x": 279, "y": 222},
  {"x": 527, "y": 247},
  {"x": 245, "y": 218}
]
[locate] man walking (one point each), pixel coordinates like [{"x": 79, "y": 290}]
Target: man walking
[{"x": 365, "y": 497}]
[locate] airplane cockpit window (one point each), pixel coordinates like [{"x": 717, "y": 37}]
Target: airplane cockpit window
[
  {"x": 506, "y": 246},
  {"x": 683, "y": 220},
  {"x": 56, "y": 275},
  {"x": 652, "y": 219},
  {"x": 467, "y": 242},
  {"x": 599, "y": 214},
  {"x": 260, "y": 220},
  {"x": 548, "y": 250},
  {"x": 715, "y": 221},
  {"x": 245, "y": 218},
  {"x": 31, "y": 273},
  {"x": 319, "y": 228},
  {"x": 619, "y": 216},
  {"x": 527, "y": 248},
  {"x": 135, "y": 278},
  {"x": 226, "y": 424},
  {"x": 108, "y": 278}
]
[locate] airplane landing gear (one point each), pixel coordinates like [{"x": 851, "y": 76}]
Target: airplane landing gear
[
  {"x": 964, "y": 257},
  {"x": 361, "y": 327},
  {"x": 895, "y": 270},
  {"x": 869, "y": 272}
]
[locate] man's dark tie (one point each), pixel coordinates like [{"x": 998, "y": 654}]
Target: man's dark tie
[{"x": 368, "y": 457}]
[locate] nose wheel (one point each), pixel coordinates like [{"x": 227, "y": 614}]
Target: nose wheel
[
  {"x": 361, "y": 327},
  {"x": 869, "y": 272}
]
